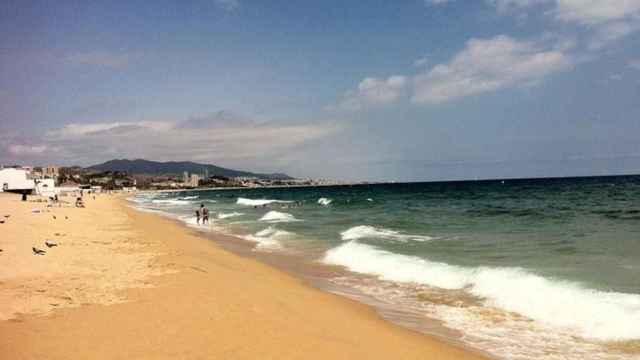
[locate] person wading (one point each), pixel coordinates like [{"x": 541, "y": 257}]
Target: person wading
[{"x": 205, "y": 215}]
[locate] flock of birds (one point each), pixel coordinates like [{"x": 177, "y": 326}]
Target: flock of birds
[{"x": 47, "y": 243}]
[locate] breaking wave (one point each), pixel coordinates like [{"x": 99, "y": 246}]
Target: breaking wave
[
  {"x": 592, "y": 314},
  {"x": 171, "y": 202},
  {"x": 276, "y": 216},
  {"x": 324, "y": 201},
  {"x": 371, "y": 232},
  {"x": 229, "y": 215},
  {"x": 259, "y": 202},
  {"x": 268, "y": 238}
]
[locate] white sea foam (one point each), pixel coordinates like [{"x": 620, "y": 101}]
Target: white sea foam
[
  {"x": 276, "y": 216},
  {"x": 189, "y": 197},
  {"x": 267, "y": 239},
  {"x": 189, "y": 220},
  {"x": 324, "y": 201},
  {"x": 371, "y": 232},
  {"x": 564, "y": 305},
  {"x": 138, "y": 200},
  {"x": 259, "y": 202},
  {"x": 228, "y": 215},
  {"x": 171, "y": 202}
]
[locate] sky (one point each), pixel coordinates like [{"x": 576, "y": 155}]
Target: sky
[{"x": 348, "y": 90}]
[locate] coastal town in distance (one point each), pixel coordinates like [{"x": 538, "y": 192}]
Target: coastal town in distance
[{"x": 50, "y": 180}]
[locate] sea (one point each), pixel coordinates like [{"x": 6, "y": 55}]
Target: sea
[{"x": 517, "y": 269}]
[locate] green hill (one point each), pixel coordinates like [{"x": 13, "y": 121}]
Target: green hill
[{"x": 141, "y": 166}]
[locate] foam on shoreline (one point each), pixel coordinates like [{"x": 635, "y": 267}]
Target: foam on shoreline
[{"x": 592, "y": 314}]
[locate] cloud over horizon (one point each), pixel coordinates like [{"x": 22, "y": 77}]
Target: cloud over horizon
[{"x": 88, "y": 143}]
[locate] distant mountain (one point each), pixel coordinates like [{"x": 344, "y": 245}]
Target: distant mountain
[{"x": 141, "y": 166}]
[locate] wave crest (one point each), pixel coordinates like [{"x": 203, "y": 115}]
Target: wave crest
[
  {"x": 324, "y": 201},
  {"x": 371, "y": 232},
  {"x": 171, "y": 202},
  {"x": 259, "y": 202},
  {"x": 267, "y": 239},
  {"x": 276, "y": 216},
  {"x": 228, "y": 215},
  {"x": 562, "y": 304}
]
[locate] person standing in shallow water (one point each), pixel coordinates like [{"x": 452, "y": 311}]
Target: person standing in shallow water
[
  {"x": 198, "y": 216},
  {"x": 205, "y": 215}
]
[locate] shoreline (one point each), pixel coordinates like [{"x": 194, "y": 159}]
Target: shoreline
[
  {"x": 318, "y": 276},
  {"x": 192, "y": 299}
]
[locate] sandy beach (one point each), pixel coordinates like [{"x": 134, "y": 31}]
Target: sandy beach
[{"x": 123, "y": 284}]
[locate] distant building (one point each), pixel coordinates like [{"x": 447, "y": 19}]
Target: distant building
[
  {"x": 51, "y": 171},
  {"x": 185, "y": 177},
  {"x": 69, "y": 187},
  {"x": 194, "y": 180},
  {"x": 126, "y": 182}
]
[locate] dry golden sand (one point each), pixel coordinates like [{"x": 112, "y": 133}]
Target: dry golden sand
[{"x": 129, "y": 285}]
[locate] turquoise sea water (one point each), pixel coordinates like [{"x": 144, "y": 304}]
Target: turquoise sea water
[{"x": 524, "y": 269}]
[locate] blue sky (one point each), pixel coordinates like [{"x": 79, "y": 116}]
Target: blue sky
[{"x": 375, "y": 90}]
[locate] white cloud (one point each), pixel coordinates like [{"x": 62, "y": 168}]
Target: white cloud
[
  {"x": 596, "y": 11},
  {"x": 579, "y": 11},
  {"x": 634, "y": 64},
  {"x": 436, "y": 2},
  {"x": 17, "y": 149},
  {"x": 229, "y": 5},
  {"x": 423, "y": 61},
  {"x": 243, "y": 144},
  {"x": 505, "y": 6},
  {"x": 604, "y": 20},
  {"x": 373, "y": 91},
  {"x": 488, "y": 65},
  {"x": 80, "y": 129},
  {"x": 610, "y": 32}
]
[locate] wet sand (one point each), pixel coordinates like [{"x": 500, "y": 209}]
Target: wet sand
[{"x": 123, "y": 284}]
